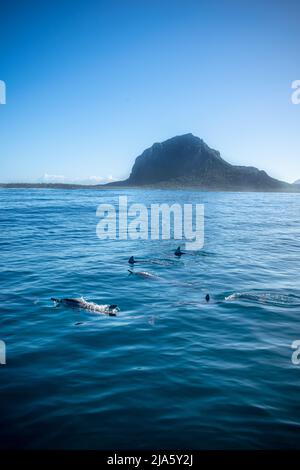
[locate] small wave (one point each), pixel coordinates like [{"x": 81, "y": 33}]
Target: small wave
[{"x": 203, "y": 253}]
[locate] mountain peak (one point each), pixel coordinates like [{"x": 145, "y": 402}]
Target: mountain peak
[{"x": 187, "y": 161}]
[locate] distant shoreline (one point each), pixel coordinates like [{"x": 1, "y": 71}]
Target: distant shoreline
[{"x": 162, "y": 186}]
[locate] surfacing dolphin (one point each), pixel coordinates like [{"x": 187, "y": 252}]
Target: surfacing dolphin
[
  {"x": 143, "y": 274},
  {"x": 110, "y": 310},
  {"x": 161, "y": 261},
  {"x": 178, "y": 252}
]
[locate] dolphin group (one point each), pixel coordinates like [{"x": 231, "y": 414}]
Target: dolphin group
[
  {"x": 144, "y": 274},
  {"x": 132, "y": 261},
  {"x": 112, "y": 309}
]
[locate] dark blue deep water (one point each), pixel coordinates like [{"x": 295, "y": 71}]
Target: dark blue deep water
[{"x": 170, "y": 371}]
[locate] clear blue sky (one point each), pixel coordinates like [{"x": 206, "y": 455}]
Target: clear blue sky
[{"x": 91, "y": 84}]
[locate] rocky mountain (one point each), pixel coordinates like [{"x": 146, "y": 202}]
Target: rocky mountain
[{"x": 187, "y": 161}]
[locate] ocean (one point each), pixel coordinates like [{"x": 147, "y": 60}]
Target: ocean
[{"x": 170, "y": 370}]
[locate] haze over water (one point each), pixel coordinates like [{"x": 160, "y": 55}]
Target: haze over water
[{"x": 170, "y": 371}]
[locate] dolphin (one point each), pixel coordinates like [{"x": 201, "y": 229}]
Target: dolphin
[
  {"x": 161, "y": 261},
  {"x": 143, "y": 274},
  {"x": 110, "y": 310},
  {"x": 178, "y": 252}
]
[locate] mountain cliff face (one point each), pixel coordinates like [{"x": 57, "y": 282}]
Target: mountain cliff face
[{"x": 187, "y": 161}]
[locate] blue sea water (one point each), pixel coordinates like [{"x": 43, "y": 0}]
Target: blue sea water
[{"x": 170, "y": 371}]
